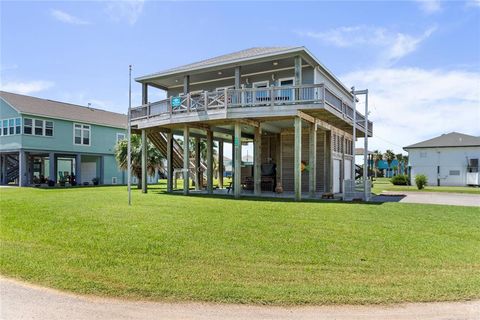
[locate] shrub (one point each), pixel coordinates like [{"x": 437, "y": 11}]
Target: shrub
[
  {"x": 399, "y": 180},
  {"x": 421, "y": 181}
]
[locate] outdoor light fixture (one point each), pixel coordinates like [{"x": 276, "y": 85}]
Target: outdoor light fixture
[
  {"x": 219, "y": 72},
  {"x": 275, "y": 63},
  {"x": 176, "y": 80}
]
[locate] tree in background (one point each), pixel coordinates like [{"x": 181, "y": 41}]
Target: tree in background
[
  {"x": 154, "y": 157},
  {"x": 405, "y": 164},
  {"x": 389, "y": 156},
  {"x": 377, "y": 156},
  {"x": 399, "y": 158}
]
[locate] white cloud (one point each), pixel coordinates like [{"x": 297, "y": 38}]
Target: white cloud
[
  {"x": 473, "y": 3},
  {"x": 27, "y": 87},
  {"x": 67, "y": 18},
  {"x": 410, "y": 105},
  {"x": 430, "y": 6},
  {"x": 391, "y": 45},
  {"x": 129, "y": 10}
]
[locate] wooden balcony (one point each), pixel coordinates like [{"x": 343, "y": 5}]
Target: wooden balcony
[{"x": 248, "y": 102}]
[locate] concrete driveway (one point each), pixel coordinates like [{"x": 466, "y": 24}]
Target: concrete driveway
[
  {"x": 24, "y": 301},
  {"x": 447, "y": 198}
]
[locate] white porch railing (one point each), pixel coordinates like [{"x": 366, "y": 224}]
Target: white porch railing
[{"x": 246, "y": 98}]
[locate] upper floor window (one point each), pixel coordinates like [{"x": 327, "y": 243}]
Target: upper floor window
[
  {"x": 37, "y": 127},
  {"x": 120, "y": 137},
  {"x": 81, "y": 134},
  {"x": 10, "y": 126},
  {"x": 27, "y": 126}
]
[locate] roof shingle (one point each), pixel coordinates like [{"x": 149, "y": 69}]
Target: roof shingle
[
  {"x": 452, "y": 139},
  {"x": 61, "y": 110}
]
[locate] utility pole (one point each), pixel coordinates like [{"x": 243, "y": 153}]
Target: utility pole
[{"x": 129, "y": 134}]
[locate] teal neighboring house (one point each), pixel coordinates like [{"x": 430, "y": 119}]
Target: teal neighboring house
[{"x": 44, "y": 141}]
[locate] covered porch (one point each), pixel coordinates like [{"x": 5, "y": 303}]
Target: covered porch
[{"x": 293, "y": 157}]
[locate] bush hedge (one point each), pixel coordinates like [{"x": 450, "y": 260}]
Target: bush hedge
[{"x": 399, "y": 180}]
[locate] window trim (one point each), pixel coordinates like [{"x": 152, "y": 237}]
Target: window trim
[
  {"x": 31, "y": 126},
  {"x": 35, "y": 127},
  {"x": 81, "y": 134},
  {"x": 124, "y": 136}
]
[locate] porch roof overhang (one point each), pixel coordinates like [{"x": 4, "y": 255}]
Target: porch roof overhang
[{"x": 254, "y": 64}]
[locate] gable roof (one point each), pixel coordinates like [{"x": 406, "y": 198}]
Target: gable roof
[
  {"x": 224, "y": 59},
  {"x": 245, "y": 55},
  {"x": 452, "y": 139},
  {"x": 60, "y": 110}
]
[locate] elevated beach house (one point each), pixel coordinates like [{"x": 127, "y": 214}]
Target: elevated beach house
[
  {"x": 43, "y": 140},
  {"x": 297, "y": 114}
]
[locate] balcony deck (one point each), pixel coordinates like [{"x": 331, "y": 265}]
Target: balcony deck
[{"x": 271, "y": 102}]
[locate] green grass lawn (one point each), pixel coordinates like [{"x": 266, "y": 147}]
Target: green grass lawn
[
  {"x": 384, "y": 184},
  {"x": 171, "y": 247}
]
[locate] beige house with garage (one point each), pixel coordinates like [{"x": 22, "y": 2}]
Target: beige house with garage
[{"x": 283, "y": 100}]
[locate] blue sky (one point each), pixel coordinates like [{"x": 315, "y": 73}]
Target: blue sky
[{"x": 419, "y": 59}]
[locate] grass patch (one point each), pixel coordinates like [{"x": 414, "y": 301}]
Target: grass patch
[
  {"x": 171, "y": 247},
  {"x": 384, "y": 184}
]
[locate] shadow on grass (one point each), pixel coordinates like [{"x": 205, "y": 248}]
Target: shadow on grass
[{"x": 260, "y": 199}]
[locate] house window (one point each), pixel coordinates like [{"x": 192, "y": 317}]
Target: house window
[
  {"x": 38, "y": 127},
  {"x": 120, "y": 137},
  {"x": 18, "y": 126},
  {"x": 49, "y": 128},
  {"x": 454, "y": 172},
  {"x": 81, "y": 134},
  {"x": 5, "y": 127},
  {"x": 114, "y": 180},
  {"x": 27, "y": 126},
  {"x": 11, "y": 126}
]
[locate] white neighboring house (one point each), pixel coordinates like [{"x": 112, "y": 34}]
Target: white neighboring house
[{"x": 448, "y": 160}]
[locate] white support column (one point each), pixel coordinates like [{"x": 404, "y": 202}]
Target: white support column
[
  {"x": 365, "y": 152},
  {"x": 221, "y": 168},
  {"x": 237, "y": 147},
  {"x": 52, "y": 175},
  {"x": 312, "y": 160},
  {"x": 297, "y": 170},
  {"x": 144, "y": 161},
  {"x": 257, "y": 170},
  {"x": 78, "y": 168},
  {"x": 209, "y": 161},
  {"x": 354, "y": 133},
  {"x": 169, "y": 162},
  {"x": 22, "y": 168},
  {"x": 198, "y": 176},
  {"x": 186, "y": 160}
]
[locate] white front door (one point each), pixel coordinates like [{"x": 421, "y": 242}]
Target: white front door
[
  {"x": 336, "y": 176},
  {"x": 88, "y": 171}
]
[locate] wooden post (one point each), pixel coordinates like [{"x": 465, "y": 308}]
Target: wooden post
[
  {"x": 170, "y": 162},
  {"x": 298, "y": 76},
  {"x": 209, "y": 161},
  {"x": 186, "y": 84},
  {"x": 297, "y": 168},
  {"x": 220, "y": 164},
  {"x": 257, "y": 170},
  {"x": 144, "y": 161},
  {"x": 237, "y": 77},
  {"x": 198, "y": 177},
  {"x": 186, "y": 160},
  {"x": 144, "y": 93},
  {"x": 237, "y": 183},
  {"x": 312, "y": 160}
]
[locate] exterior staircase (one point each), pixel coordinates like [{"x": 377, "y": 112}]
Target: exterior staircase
[
  {"x": 159, "y": 140},
  {"x": 11, "y": 163}
]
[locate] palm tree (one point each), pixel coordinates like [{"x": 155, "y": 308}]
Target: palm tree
[
  {"x": 405, "y": 164},
  {"x": 399, "y": 158},
  {"x": 154, "y": 157},
  {"x": 389, "y": 156},
  {"x": 377, "y": 156}
]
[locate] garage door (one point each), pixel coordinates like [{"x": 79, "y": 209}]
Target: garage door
[
  {"x": 88, "y": 171},
  {"x": 336, "y": 176}
]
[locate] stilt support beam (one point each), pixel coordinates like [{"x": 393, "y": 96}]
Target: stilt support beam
[
  {"x": 237, "y": 147},
  {"x": 209, "y": 161},
  {"x": 297, "y": 169},
  {"x": 186, "y": 160},
  {"x": 312, "y": 160},
  {"x": 257, "y": 170},
  {"x": 144, "y": 161}
]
